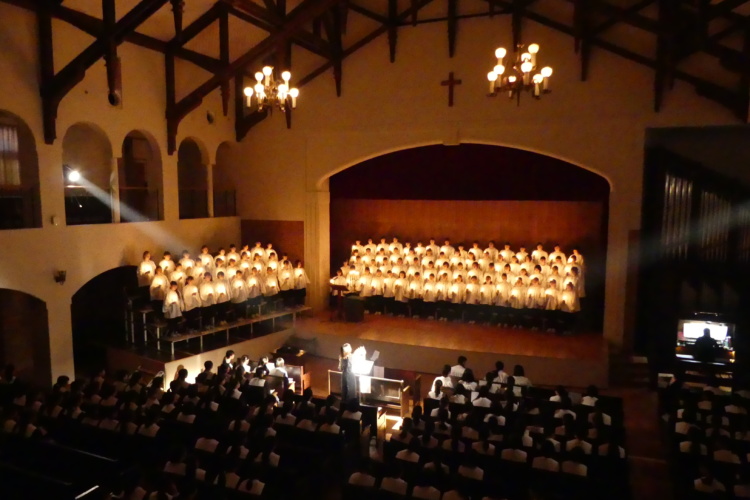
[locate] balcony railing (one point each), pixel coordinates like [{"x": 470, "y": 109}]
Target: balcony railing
[
  {"x": 193, "y": 203},
  {"x": 139, "y": 204}
]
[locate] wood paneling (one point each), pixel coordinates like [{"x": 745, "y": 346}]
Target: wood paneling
[
  {"x": 286, "y": 236},
  {"x": 24, "y": 336}
]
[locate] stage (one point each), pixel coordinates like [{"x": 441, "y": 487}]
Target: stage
[{"x": 416, "y": 345}]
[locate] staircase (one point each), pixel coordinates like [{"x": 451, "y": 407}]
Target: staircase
[{"x": 628, "y": 371}]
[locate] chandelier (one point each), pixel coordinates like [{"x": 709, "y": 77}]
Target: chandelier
[
  {"x": 270, "y": 91},
  {"x": 515, "y": 75}
]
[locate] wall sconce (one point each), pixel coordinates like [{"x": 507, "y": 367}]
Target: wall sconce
[{"x": 60, "y": 277}]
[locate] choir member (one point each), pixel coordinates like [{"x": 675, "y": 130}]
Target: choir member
[
  {"x": 401, "y": 294},
  {"x": 222, "y": 297},
  {"x": 146, "y": 270},
  {"x": 522, "y": 253},
  {"x": 257, "y": 250},
  {"x": 502, "y": 298},
  {"x": 221, "y": 258},
  {"x": 443, "y": 294},
  {"x": 492, "y": 251},
  {"x": 570, "y": 306},
  {"x": 415, "y": 294},
  {"x": 271, "y": 284},
  {"x": 364, "y": 288},
  {"x": 557, "y": 253},
  {"x": 506, "y": 253},
  {"x": 516, "y": 300},
  {"x": 420, "y": 249},
  {"x": 383, "y": 245},
  {"x": 433, "y": 246},
  {"x": 377, "y": 288},
  {"x": 475, "y": 250},
  {"x": 447, "y": 248},
  {"x": 429, "y": 295},
  {"x": 357, "y": 247},
  {"x": 551, "y": 305},
  {"x": 300, "y": 284},
  {"x": 537, "y": 254},
  {"x": 486, "y": 298},
  {"x": 254, "y": 290},
  {"x": 286, "y": 284},
  {"x": 273, "y": 261},
  {"x": 389, "y": 293},
  {"x": 457, "y": 296},
  {"x": 371, "y": 246},
  {"x": 167, "y": 264},
  {"x": 472, "y": 299},
  {"x": 208, "y": 299},
  {"x": 238, "y": 294},
  {"x": 206, "y": 259},
  {"x": 172, "y": 308},
  {"x": 187, "y": 262},
  {"x": 178, "y": 275},
  {"x": 233, "y": 254},
  {"x": 192, "y": 302},
  {"x": 352, "y": 278},
  {"x": 544, "y": 267},
  {"x": 158, "y": 288}
]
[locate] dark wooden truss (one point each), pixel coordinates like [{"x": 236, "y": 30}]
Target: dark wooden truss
[{"x": 680, "y": 29}]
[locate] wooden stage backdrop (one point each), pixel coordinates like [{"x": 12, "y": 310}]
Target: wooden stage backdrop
[
  {"x": 579, "y": 224},
  {"x": 286, "y": 236}
]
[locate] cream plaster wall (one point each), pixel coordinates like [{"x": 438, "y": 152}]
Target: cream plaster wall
[
  {"x": 30, "y": 256},
  {"x": 599, "y": 125}
]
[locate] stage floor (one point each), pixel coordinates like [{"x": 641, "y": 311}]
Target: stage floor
[{"x": 458, "y": 336}]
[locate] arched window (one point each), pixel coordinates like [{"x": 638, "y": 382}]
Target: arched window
[
  {"x": 140, "y": 178},
  {"x": 225, "y": 194},
  {"x": 20, "y": 206},
  {"x": 192, "y": 179},
  {"x": 88, "y": 169}
]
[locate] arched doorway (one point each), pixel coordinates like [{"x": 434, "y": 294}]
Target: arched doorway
[
  {"x": 192, "y": 179},
  {"x": 87, "y": 167},
  {"x": 225, "y": 193},
  {"x": 24, "y": 336},
  {"x": 20, "y": 205},
  {"x": 475, "y": 192},
  {"x": 98, "y": 315},
  {"x": 140, "y": 178}
]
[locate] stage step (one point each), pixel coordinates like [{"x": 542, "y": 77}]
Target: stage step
[{"x": 629, "y": 371}]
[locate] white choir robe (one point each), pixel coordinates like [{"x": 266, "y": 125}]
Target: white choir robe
[
  {"x": 258, "y": 266},
  {"x": 484, "y": 263},
  {"x": 494, "y": 252},
  {"x": 569, "y": 266},
  {"x": 427, "y": 259},
  {"x": 430, "y": 291},
  {"x": 569, "y": 279},
  {"x": 245, "y": 267},
  {"x": 435, "y": 249},
  {"x": 388, "y": 291},
  {"x": 231, "y": 271},
  {"x": 454, "y": 260},
  {"x": 167, "y": 266},
  {"x": 476, "y": 272},
  {"x": 233, "y": 256},
  {"x": 197, "y": 271},
  {"x": 521, "y": 256},
  {"x": 443, "y": 289},
  {"x": 551, "y": 299},
  {"x": 385, "y": 247},
  {"x": 476, "y": 252},
  {"x": 412, "y": 270},
  {"x": 554, "y": 255},
  {"x": 217, "y": 270},
  {"x": 172, "y": 307},
  {"x": 187, "y": 263},
  {"x": 352, "y": 280},
  {"x": 472, "y": 293},
  {"x": 448, "y": 250},
  {"x": 396, "y": 247},
  {"x": 419, "y": 250},
  {"x": 359, "y": 248},
  {"x": 569, "y": 301},
  {"x": 376, "y": 285},
  {"x": 372, "y": 247},
  {"x": 178, "y": 277},
  {"x": 545, "y": 269},
  {"x": 352, "y": 260},
  {"x": 286, "y": 280},
  {"x": 271, "y": 286},
  {"x": 301, "y": 281},
  {"x": 525, "y": 278},
  {"x": 515, "y": 268},
  {"x": 207, "y": 294},
  {"x": 502, "y": 294},
  {"x": 440, "y": 261},
  {"x": 273, "y": 264},
  {"x": 364, "y": 285},
  {"x": 158, "y": 288},
  {"x": 396, "y": 270},
  {"x": 380, "y": 259},
  {"x": 534, "y": 297},
  {"x": 414, "y": 290},
  {"x": 517, "y": 296},
  {"x": 457, "y": 293},
  {"x": 511, "y": 277},
  {"x": 146, "y": 272},
  {"x": 541, "y": 277},
  {"x": 191, "y": 297},
  {"x": 457, "y": 273},
  {"x": 506, "y": 255},
  {"x": 401, "y": 289},
  {"x": 393, "y": 258},
  {"x": 223, "y": 291},
  {"x": 220, "y": 261},
  {"x": 254, "y": 286},
  {"x": 428, "y": 271},
  {"x": 536, "y": 255},
  {"x": 207, "y": 260},
  {"x": 367, "y": 259},
  {"x": 557, "y": 278},
  {"x": 486, "y": 294},
  {"x": 259, "y": 251},
  {"x": 238, "y": 290}
]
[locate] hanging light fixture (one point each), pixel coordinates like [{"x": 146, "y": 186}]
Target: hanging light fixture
[
  {"x": 270, "y": 91},
  {"x": 516, "y": 74}
]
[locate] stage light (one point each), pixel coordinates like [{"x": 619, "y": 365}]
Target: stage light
[{"x": 74, "y": 176}]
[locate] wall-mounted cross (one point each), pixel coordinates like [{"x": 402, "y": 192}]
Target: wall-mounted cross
[{"x": 450, "y": 83}]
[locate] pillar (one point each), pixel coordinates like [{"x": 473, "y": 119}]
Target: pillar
[{"x": 318, "y": 246}]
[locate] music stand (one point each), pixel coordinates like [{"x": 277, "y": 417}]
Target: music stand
[
  {"x": 339, "y": 311},
  {"x": 362, "y": 368}
]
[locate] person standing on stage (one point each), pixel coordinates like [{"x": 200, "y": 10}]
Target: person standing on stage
[{"x": 348, "y": 379}]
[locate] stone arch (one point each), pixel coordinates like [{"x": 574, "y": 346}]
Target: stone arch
[
  {"x": 140, "y": 178},
  {"x": 88, "y": 151},
  {"x": 224, "y": 189},
  {"x": 20, "y": 204},
  {"x": 192, "y": 178},
  {"x": 24, "y": 335},
  {"x": 97, "y": 313}
]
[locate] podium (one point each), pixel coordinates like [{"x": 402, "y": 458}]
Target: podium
[
  {"x": 354, "y": 309},
  {"x": 338, "y": 312},
  {"x": 362, "y": 368}
]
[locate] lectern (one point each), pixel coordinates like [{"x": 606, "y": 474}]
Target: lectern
[{"x": 339, "y": 311}]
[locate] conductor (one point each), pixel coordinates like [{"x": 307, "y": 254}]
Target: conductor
[
  {"x": 348, "y": 378},
  {"x": 705, "y": 347}
]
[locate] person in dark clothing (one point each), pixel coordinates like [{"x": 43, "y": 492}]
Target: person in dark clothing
[{"x": 705, "y": 347}]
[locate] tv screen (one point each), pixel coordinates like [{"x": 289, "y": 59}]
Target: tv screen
[{"x": 690, "y": 330}]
